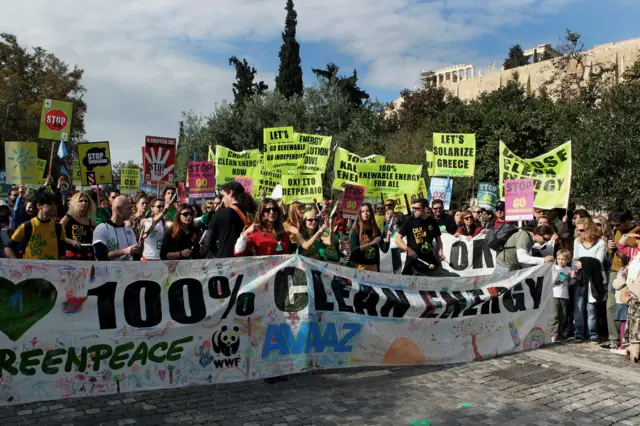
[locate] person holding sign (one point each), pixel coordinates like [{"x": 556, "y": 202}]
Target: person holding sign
[
  {"x": 365, "y": 241},
  {"x": 266, "y": 236},
  {"x": 421, "y": 231}
]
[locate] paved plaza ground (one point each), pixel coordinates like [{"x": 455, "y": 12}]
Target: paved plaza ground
[{"x": 565, "y": 384}]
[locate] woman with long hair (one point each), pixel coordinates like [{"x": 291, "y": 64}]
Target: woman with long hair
[
  {"x": 142, "y": 206},
  {"x": 365, "y": 241},
  {"x": 319, "y": 241},
  {"x": 181, "y": 240},
  {"x": 589, "y": 250},
  {"x": 78, "y": 227},
  {"x": 293, "y": 224},
  {"x": 266, "y": 236},
  {"x": 228, "y": 223}
]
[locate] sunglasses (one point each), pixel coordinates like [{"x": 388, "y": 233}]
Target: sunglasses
[
  {"x": 388, "y": 205},
  {"x": 415, "y": 209},
  {"x": 468, "y": 218},
  {"x": 438, "y": 208},
  {"x": 186, "y": 214},
  {"x": 270, "y": 210},
  {"x": 311, "y": 220},
  {"x": 580, "y": 230},
  {"x": 159, "y": 206}
]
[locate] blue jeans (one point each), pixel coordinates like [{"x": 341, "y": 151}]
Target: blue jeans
[{"x": 580, "y": 308}]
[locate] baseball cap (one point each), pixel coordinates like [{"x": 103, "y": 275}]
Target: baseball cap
[
  {"x": 3, "y": 203},
  {"x": 500, "y": 205}
]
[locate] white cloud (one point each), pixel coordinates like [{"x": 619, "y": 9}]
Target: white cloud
[{"x": 143, "y": 59}]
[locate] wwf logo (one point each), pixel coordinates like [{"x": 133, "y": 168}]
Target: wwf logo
[{"x": 225, "y": 341}]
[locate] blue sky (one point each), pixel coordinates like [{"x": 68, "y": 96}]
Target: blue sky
[{"x": 146, "y": 61}]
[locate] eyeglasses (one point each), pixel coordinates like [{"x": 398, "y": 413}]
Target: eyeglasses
[
  {"x": 468, "y": 218},
  {"x": 311, "y": 220},
  {"x": 186, "y": 214},
  {"x": 270, "y": 210}
]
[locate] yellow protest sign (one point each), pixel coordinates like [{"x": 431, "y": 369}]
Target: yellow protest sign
[
  {"x": 551, "y": 174},
  {"x": 95, "y": 163},
  {"x": 282, "y": 150},
  {"x": 230, "y": 164},
  {"x": 42, "y": 166},
  {"x": 390, "y": 178},
  {"x": 129, "y": 180},
  {"x": 211, "y": 156},
  {"x": 429, "y": 163},
  {"x": 345, "y": 168},
  {"x": 75, "y": 178},
  {"x": 454, "y": 154},
  {"x": 401, "y": 205},
  {"x": 267, "y": 181},
  {"x": 302, "y": 188},
  {"x": 317, "y": 155},
  {"x": 21, "y": 163}
]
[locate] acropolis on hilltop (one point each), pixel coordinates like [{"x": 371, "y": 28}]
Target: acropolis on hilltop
[{"x": 466, "y": 83}]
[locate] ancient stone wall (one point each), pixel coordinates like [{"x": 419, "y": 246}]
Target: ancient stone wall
[{"x": 622, "y": 53}]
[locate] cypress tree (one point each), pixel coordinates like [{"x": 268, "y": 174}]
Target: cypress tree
[{"x": 289, "y": 78}]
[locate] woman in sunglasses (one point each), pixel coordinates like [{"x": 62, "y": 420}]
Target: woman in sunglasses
[
  {"x": 266, "y": 236},
  {"x": 589, "y": 250},
  {"x": 181, "y": 240},
  {"x": 366, "y": 241},
  {"x": 319, "y": 242},
  {"x": 469, "y": 228}
]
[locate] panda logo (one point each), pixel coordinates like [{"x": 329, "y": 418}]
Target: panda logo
[{"x": 226, "y": 341}]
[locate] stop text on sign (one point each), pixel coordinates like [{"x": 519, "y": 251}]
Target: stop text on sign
[
  {"x": 56, "y": 120},
  {"x": 200, "y": 167}
]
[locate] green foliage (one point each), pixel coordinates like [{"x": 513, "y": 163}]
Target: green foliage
[
  {"x": 289, "y": 79},
  {"x": 516, "y": 58},
  {"x": 26, "y": 79},
  {"x": 244, "y": 87},
  {"x": 347, "y": 85}
]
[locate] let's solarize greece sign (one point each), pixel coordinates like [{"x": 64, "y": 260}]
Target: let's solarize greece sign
[{"x": 75, "y": 329}]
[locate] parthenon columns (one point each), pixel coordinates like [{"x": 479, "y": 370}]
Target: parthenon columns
[{"x": 450, "y": 75}]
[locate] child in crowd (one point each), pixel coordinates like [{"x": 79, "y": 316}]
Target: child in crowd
[
  {"x": 559, "y": 325},
  {"x": 620, "y": 317}
]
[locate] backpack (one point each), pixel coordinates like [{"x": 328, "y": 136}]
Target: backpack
[
  {"x": 497, "y": 237},
  {"x": 28, "y": 231}
]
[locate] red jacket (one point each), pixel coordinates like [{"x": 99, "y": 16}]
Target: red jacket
[{"x": 261, "y": 243}]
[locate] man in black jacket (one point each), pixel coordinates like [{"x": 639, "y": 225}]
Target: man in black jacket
[{"x": 446, "y": 223}]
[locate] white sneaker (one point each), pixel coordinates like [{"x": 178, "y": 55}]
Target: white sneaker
[{"x": 619, "y": 351}]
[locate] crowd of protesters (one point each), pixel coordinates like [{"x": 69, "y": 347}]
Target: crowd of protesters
[{"x": 596, "y": 290}]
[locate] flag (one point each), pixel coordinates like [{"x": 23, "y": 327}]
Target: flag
[
  {"x": 62, "y": 149},
  {"x": 63, "y": 171},
  {"x": 212, "y": 156}
]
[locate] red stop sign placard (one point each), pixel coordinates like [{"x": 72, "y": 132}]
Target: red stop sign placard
[{"x": 56, "y": 120}]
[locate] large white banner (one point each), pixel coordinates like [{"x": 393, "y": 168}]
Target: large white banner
[{"x": 76, "y": 329}]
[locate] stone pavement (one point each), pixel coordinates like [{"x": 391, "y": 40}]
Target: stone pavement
[{"x": 568, "y": 384}]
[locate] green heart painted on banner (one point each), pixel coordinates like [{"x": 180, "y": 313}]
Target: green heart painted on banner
[{"x": 22, "y": 305}]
